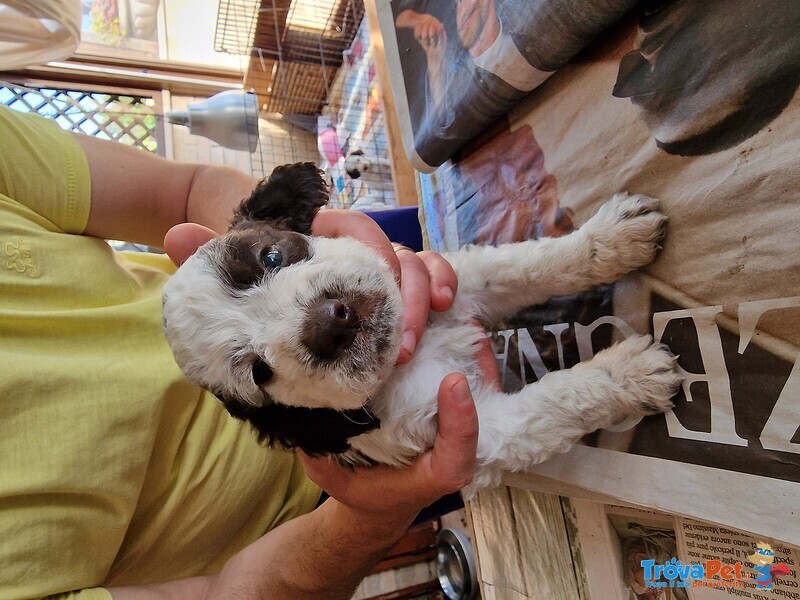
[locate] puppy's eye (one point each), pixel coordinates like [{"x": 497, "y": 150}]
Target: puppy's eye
[
  {"x": 273, "y": 259},
  {"x": 262, "y": 372}
]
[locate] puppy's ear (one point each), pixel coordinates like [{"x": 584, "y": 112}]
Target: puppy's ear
[
  {"x": 288, "y": 199},
  {"x": 315, "y": 431}
]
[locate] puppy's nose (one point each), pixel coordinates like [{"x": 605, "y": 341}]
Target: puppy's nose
[{"x": 332, "y": 328}]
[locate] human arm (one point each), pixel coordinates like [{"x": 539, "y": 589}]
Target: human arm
[
  {"x": 325, "y": 554},
  {"x": 137, "y": 196}
]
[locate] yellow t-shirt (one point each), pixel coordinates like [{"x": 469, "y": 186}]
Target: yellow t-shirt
[{"x": 113, "y": 468}]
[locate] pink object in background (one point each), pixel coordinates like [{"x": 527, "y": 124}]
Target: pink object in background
[{"x": 329, "y": 145}]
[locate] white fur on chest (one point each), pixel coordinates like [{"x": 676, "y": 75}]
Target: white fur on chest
[{"x": 407, "y": 402}]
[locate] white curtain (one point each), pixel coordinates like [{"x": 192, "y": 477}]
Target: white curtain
[{"x": 33, "y": 32}]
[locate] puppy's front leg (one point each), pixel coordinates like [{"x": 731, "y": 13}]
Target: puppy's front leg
[
  {"x": 622, "y": 236},
  {"x": 517, "y": 431}
]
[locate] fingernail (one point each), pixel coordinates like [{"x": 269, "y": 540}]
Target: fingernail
[
  {"x": 409, "y": 343},
  {"x": 447, "y": 291},
  {"x": 461, "y": 393}
]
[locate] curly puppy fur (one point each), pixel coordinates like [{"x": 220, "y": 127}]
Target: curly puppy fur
[{"x": 298, "y": 335}]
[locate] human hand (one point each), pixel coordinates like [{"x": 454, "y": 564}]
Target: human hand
[
  {"x": 427, "y": 281},
  {"x": 432, "y": 38},
  {"x": 428, "y": 30},
  {"x": 384, "y": 492}
]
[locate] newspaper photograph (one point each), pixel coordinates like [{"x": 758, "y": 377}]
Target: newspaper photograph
[
  {"x": 459, "y": 65},
  {"x": 644, "y": 555}
]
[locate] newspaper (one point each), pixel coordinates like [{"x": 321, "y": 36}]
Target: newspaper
[
  {"x": 724, "y": 292},
  {"x": 458, "y": 66}
]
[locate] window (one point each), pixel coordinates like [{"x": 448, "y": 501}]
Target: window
[
  {"x": 127, "y": 118},
  {"x": 120, "y": 27}
]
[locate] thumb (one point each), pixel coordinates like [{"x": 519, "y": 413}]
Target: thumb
[
  {"x": 182, "y": 240},
  {"x": 456, "y": 444}
]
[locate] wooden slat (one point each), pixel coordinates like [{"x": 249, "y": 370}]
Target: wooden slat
[
  {"x": 415, "y": 546},
  {"x": 274, "y": 38},
  {"x": 429, "y": 589},
  {"x": 544, "y": 545},
  {"x": 409, "y": 563},
  {"x": 496, "y": 545},
  {"x": 523, "y": 546},
  {"x": 175, "y": 77},
  {"x": 404, "y": 560},
  {"x": 288, "y": 88},
  {"x": 270, "y": 24}
]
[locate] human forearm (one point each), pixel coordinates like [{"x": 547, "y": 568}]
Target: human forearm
[
  {"x": 138, "y": 197},
  {"x": 213, "y": 195},
  {"x": 324, "y": 554}
]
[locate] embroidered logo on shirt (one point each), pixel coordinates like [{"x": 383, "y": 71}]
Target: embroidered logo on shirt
[{"x": 20, "y": 258}]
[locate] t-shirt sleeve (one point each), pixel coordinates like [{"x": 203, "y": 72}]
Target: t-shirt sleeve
[{"x": 43, "y": 168}]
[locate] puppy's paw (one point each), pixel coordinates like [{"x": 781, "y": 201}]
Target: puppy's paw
[
  {"x": 647, "y": 374},
  {"x": 625, "y": 234}
]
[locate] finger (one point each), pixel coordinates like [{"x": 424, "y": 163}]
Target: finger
[
  {"x": 324, "y": 471},
  {"x": 415, "y": 291},
  {"x": 365, "y": 486},
  {"x": 453, "y": 457},
  {"x": 182, "y": 240},
  {"x": 408, "y": 18},
  {"x": 443, "y": 280},
  {"x": 351, "y": 223}
]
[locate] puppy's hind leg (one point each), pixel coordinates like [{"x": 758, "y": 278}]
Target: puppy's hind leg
[
  {"x": 622, "y": 236},
  {"x": 517, "y": 431}
]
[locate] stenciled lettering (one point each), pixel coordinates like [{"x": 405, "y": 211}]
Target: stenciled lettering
[
  {"x": 781, "y": 425},
  {"x": 723, "y": 423},
  {"x": 785, "y": 417}
]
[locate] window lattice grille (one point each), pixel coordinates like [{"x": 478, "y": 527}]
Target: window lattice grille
[{"x": 128, "y": 119}]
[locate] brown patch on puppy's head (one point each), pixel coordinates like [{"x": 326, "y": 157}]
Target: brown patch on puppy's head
[
  {"x": 288, "y": 199},
  {"x": 250, "y": 254}
]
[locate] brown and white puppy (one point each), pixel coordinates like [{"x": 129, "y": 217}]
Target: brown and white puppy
[{"x": 299, "y": 335}]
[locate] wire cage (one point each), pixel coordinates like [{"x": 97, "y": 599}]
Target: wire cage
[{"x": 310, "y": 64}]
